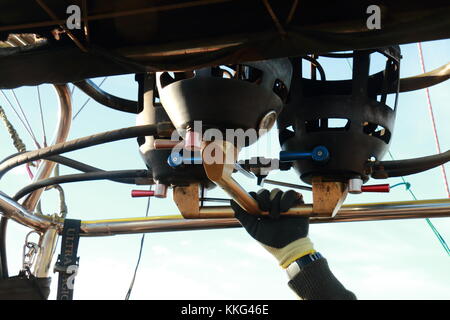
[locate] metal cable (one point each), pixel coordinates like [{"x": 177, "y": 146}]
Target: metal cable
[
  {"x": 430, "y": 224},
  {"x": 87, "y": 100},
  {"x": 286, "y": 184},
  {"x": 127, "y": 296},
  {"x": 433, "y": 122},
  {"x": 26, "y": 119},
  {"x": 106, "y": 99},
  {"x": 42, "y": 117},
  {"x": 17, "y": 114}
]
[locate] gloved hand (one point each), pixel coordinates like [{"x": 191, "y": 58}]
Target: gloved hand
[{"x": 285, "y": 237}]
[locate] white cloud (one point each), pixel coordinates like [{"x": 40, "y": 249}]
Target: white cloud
[
  {"x": 160, "y": 250},
  {"x": 252, "y": 249}
]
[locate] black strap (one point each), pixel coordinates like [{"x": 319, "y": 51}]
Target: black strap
[{"x": 68, "y": 258}]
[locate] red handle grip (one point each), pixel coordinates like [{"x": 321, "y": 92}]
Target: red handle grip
[
  {"x": 142, "y": 193},
  {"x": 376, "y": 188}
]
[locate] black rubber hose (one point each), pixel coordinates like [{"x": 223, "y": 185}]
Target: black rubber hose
[
  {"x": 4, "y": 273},
  {"x": 89, "y": 176},
  {"x": 398, "y": 168},
  {"x": 77, "y": 165},
  {"x": 106, "y": 99},
  {"x": 74, "y": 164},
  {"x": 3, "y": 258},
  {"x": 10, "y": 156},
  {"x": 80, "y": 143}
]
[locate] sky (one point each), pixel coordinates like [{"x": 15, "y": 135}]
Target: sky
[{"x": 376, "y": 260}]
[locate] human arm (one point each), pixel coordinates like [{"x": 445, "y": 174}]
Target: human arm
[{"x": 286, "y": 238}]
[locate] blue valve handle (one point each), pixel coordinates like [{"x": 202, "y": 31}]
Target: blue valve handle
[
  {"x": 291, "y": 156},
  {"x": 319, "y": 154},
  {"x": 176, "y": 160}
]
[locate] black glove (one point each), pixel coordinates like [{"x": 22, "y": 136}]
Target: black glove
[{"x": 283, "y": 236}]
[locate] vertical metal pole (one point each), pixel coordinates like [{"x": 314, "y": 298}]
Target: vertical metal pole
[
  {"x": 47, "y": 244},
  {"x": 48, "y": 240},
  {"x": 61, "y": 134}
]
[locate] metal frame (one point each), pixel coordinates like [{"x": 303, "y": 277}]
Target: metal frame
[
  {"x": 205, "y": 218},
  {"x": 438, "y": 208},
  {"x": 49, "y": 234},
  {"x": 213, "y": 217},
  {"x": 48, "y": 239}
]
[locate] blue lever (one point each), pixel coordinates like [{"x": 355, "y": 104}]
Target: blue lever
[
  {"x": 177, "y": 159},
  {"x": 319, "y": 154}
]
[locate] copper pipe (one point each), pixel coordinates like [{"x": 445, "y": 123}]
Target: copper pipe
[
  {"x": 150, "y": 225},
  {"x": 61, "y": 134},
  {"x": 166, "y": 144},
  {"x": 438, "y": 208},
  {"x": 13, "y": 210},
  {"x": 48, "y": 239},
  {"x": 47, "y": 244},
  {"x": 365, "y": 212},
  {"x": 215, "y": 212}
]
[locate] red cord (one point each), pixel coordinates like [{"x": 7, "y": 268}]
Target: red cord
[
  {"x": 433, "y": 122},
  {"x": 30, "y": 174}
]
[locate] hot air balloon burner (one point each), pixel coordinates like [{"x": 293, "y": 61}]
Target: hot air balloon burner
[
  {"x": 156, "y": 151},
  {"x": 351, "y": 120},
  {"x": 232, "y": 102}
]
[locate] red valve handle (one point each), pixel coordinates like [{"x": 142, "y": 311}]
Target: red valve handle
[
  {"x": 142, "y": 193},
  {"x": 376, "y": 188}
]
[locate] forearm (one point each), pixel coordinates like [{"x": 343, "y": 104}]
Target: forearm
[{"x": 316, "y": 282}]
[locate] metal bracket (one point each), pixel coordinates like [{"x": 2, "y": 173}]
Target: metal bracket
[
  {"x": 328, "y": 197},
  {"x": 219, "y": 158},
  {"x": 187, "y": 200}
]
